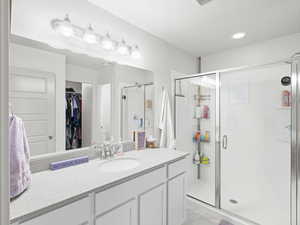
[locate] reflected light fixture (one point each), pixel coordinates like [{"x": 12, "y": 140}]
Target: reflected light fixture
[
  {"x": 239, "y": 35},
  {"x": 89, "y": 36},
  {"x": 123, "y": 49},
  {"x": 65, "y": 27},
  {"x": 107, "y": 43},
  {"x": 135, "y": 52}
]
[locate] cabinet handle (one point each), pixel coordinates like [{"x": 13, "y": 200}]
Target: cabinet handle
[{"x": 224, "y": 142}]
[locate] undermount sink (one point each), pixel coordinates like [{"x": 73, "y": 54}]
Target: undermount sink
[{"x": 119, "y": 165}]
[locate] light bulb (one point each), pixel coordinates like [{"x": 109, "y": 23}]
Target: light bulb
[
  {"x": 65, "y": 27},
  {"x": 239, "y": 35},
  {"x": 107, "y": 43},
  {"x": 123, "y": 49},
  {"x": 90, "y": 36},
  {"x": 135, "y": 53}
]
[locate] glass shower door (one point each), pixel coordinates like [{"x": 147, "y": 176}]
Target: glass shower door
[
  {"x": 255, "y": 131},
  {"x": 133, "y": 111},
  {"x": 196, "y": 113}
]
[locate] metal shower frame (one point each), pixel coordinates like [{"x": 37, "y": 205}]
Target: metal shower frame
[{"x": 294, "y": 62}]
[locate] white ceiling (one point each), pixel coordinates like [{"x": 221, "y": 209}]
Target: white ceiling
[
  {"x": 206, "y": 29},
  {"x": 187, "y": 25}
]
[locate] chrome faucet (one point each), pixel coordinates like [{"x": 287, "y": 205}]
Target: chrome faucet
[{"x": 108, "y": 150}]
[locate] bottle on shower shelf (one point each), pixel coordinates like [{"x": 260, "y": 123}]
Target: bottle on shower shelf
[
  {"x": 285, "y": 98},
  {"x": 205, "y": 112},
  {"x": 196, "y": 158}
]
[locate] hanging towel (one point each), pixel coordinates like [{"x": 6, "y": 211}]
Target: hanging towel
[
  {"x": 165, "y": 123},
  {"x": 20, "y": 175}
]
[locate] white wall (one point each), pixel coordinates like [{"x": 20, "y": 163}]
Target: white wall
[
  {"x": 81, "y": 74},
  {"x": 4, "y": 153},
  {"x": 31, "y": 58},
  {"x": 255, "y": 54}
]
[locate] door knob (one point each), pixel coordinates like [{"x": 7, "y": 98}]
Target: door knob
[{"x": 50, "y": 137}]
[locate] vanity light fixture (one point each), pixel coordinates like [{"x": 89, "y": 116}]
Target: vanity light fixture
[
  {"x": 107, "y": 43},
  {"x": 135, "y": 52},
  {"x": 89, "y": 36},
  {"x": 64, "y": 27},
  {"x": 123, "y": 48},
  {"x": 239, "y": 35}
]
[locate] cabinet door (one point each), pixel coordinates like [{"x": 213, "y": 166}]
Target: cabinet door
[
  {"x": 121, "y": 215},
  {"x": 152, "y": 207},
  {"x": 176, "y": 200},
  {"x": 77, "y": 213}
]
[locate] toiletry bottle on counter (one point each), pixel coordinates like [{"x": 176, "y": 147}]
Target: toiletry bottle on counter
[{"x": 285, "y": 98}]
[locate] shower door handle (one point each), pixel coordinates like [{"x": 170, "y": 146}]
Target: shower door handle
[{"x": 224, "y": 142}]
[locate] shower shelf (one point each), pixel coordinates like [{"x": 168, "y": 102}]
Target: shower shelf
[
  {"x": 202, "y": 118},
  {"x": 202, "y": 97}
]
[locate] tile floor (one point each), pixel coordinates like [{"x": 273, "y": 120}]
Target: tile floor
[{"x": 198, "y": 215}]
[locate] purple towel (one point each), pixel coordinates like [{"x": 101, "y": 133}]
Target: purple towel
[{"x": 20, "y": 174}]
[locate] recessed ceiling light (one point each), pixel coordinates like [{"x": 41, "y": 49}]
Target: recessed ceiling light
[{"x": 239, "y": 35}]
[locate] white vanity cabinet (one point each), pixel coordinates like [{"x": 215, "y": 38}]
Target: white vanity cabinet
[
  {"x": 76, "y": 213},
  {"x": 139, "y": 201},
  {"x": 152, "y": 206},
  {"x": 123, "y": 214},
  {"x": 155, "y": 197},
  {"x": 176, "y": 192}
]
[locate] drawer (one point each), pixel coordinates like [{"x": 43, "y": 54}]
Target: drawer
[
  {"x": 76, "y": 213},
  {"x": 121, "y": 193},
  {"x": 177, "y": 168}
]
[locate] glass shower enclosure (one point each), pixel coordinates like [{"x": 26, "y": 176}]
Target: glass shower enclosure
[
  {"x": 137, "y": 110},
  {"x": 241, "y": 128}
]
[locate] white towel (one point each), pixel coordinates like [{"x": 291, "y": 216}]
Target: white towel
[
  {"x": 165, "y": 123},
  {"x": 20, "y": 175}
]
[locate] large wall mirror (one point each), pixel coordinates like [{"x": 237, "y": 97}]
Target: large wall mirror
[{"x": 70, "y": 101}]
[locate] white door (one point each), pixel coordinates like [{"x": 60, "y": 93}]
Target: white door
[
  {"x": 121, "y": 215},
  {"x": 176, "y": 200},
  {"x": 152, "y": 207},
  {"x": 32, "y": 98},
  {"x": 256, "y": 148}
]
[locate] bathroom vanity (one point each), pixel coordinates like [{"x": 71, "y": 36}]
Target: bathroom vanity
[{"x": 110, "y": 192}]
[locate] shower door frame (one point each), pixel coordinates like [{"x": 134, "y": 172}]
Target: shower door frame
[
  {"x": 217, "y": 132},
  {"x": 144, "y": 85},
  {"x": 295, "y": 140},
  {"x": 294, "y": 62}
]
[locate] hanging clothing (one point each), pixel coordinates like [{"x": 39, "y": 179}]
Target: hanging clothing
[
  {"x": 20, "y": 174},
  {"x": 165, "y": 123},
  {"x": 73, "y": 120}
]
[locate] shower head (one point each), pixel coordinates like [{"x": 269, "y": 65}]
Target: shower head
[{"x": 138, "y": 85}]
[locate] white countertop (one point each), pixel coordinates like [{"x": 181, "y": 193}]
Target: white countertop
[{"x": 52, "y": 187}]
